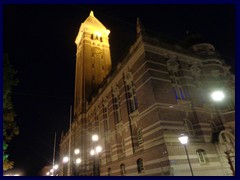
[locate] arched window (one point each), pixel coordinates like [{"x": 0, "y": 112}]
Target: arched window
[
  {"x": 188, "y": 127},
  {"x": 109, "y": 171},
  {"x": 122, "y": 169},
  {"x": 140, "y": 165},
  {"x": 201, "y": 156}
]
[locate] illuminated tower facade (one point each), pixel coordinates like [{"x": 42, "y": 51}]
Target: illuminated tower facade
[{"x": 93, "y": 61}]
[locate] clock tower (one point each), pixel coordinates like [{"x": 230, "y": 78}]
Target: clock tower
[{"x": 93, "y": 61}]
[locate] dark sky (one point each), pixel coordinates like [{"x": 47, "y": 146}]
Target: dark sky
[{"x": 39, "y": 40}]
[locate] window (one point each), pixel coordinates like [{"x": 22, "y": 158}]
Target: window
[
  {"x": 140, "y": 165},
  {"x": 123, "y": 145},
  {"x": 180, "y": 92},
  {"x": 130, "y": 94},
  {"x": 201, "y": 156},
  {"x": 140, "y": 139},
  {"x": 116, "y": 109},
  {"x": 109, "y": 171},
  {"x": 122, "y": 169},
  {"x": 116, "y": 104},
  {"x": 188, "y": 127},
  {"x": 105, "y": 114}
]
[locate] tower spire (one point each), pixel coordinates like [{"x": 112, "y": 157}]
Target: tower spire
[
  {"x": 91, "y": 13},
  {"x": 139, "y": 27}
]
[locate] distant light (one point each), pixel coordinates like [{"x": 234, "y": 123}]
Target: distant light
[
  {"x": 47, "y": 173},
  {"x": 98, "y": 149},
  {"x": 51, "y": 170},
  {"x": 92, "y": 152},
  {"x": 65, "y": 159},
  {"x": 183, "y": 139},
  {"x": 55, "y": 166},
  {"x": 95, "y": 137},
  {"x": 217, "y": 95},
  {"x": 76, "y": 151},
  {"x": 171, "y": 106},
  {"x": 78, "y": 160}
]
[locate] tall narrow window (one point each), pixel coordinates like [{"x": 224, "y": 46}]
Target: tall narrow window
[
  {"x": 140, "y": 165},
  {"x": 140, "y": 139},
  {"x": 105, "y": 113},
  {"x": 173, "y": 68},
  {"x": 201, "y": 156},
  {"x": 122, "y": 169},
  {"x": 123, "y": 145},
  {"x": 116, "y": 104},
  {"x": 130, "y": 93},
  {"x": 109, "y": 171},
  {"x": 188, "y": 127}
]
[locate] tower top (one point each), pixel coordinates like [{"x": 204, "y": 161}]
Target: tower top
[
  {"x": 91, "y": 14},
  {"x": 93, "y": 26}
]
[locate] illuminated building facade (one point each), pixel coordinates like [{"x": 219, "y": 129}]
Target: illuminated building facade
[{"x": 156, "y": 93}]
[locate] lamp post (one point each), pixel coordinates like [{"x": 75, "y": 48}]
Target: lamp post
[
  {"x": 184, "y": 140},
  {"x": 65, "y": 165},
  {"x": 95, "y": 153},
  {"x": 77, "y": 161},
  {"x": 218, "y": 96}
]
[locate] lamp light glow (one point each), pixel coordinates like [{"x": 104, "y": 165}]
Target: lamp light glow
[
  {"x": 183, "y": 139},
  {"x": 217, "y": 96},
  {"x": 65, "y": 159}
]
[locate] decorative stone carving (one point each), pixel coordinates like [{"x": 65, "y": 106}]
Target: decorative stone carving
[
  {"x": 134, "y": 117},
  {"x": 119, "y": 127},
  {"x": 105, "y": 101},
  {"x": 172, "y": 65},
  {"x": 115, "y": 90},
  {"x": 108, "y": 136},
  {"x": 128, "y": 77},
  {"x": 195, "y": 70}
]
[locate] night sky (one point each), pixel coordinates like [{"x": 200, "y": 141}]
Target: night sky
[{"x": 39, "y": 40}]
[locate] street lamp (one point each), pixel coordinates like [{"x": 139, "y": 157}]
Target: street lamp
[
  {"x": 218, "y": 96},
  {"x": 184, "y": 140},
  {"x": 95, "y": 152},
  {"x": 76, "y": 162},
  {"x": 65, "y": 167}
]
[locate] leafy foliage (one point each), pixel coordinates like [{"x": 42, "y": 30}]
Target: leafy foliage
[{"x": 10, "y": 128}]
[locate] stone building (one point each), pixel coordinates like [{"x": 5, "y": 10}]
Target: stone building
[{"x": 159, "y": 91}]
